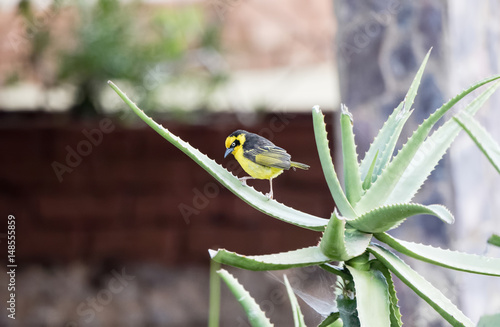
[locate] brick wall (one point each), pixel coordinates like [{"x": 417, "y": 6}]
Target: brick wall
[{"x": 122, "y": 200}]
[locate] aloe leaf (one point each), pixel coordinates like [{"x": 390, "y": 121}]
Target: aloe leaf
[
  {"x": 445, "y": 258},
  {"x": 422, "y": 287},
  {"x": 368, "y": 179},
  {"x": 387, "y": 152},
  {"x": 361, "y": 262},
  {"x": 298, "y": 258},
  {"x": 372, "y": 297},
  {"x": 489, "y": 321},
  {"x": 256, "y": 199},
  {"x": 431, "y": 151},
  {"x": 325, "y": 158},
  {"x": 298, "y": 317},
  {"x": 356, "y": 242},
  {"x": 214, "y": 303},
  {"x": 332, "y": 321},
  {"x": 481, "y": 137},
  {"x": 412, "y": 91},
  {"x": 386, "y": 140},
  {"x": 388, "y": 217},
  {"x": 256, "y": 316},
  {"x": 335, "y": 270},
  {"x": 340, "y": 243},
  {"x": 352, "y": 179},
  {"x": 381, "y": 189},
  {"x": 346, "y": 303},
  {"x": 383, "y": 138},
  {"x": 395, "y": 313},
  {"x": 494, "y": 240}
]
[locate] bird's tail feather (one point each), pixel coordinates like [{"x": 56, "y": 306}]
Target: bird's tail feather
[{"x": 299, "y": 165}]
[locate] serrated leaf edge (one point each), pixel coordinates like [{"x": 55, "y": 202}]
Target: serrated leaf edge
[
  {"x": 426, "y": 208},
  {"x": 383, "y": 237},
  {"x": 381, "y": 189},
  {"x": 250, "y": 305}
]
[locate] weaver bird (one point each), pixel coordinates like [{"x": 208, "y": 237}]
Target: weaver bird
[{"x": 259, "y": 157}]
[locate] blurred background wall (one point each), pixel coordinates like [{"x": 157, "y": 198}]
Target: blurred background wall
[{"x": 101, "y": 200}]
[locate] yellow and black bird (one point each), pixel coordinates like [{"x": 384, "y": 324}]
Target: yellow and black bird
[{"x": 259, "y": 157}]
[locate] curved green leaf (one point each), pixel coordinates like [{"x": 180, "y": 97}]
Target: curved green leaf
[
  {"x": 256, "y": 199},
  {"x": 256, "y": 316},
  {"x": 298, "y": 258},
  {"x": 388, "y": 217},
  {"x": 379, "y": 192},
  {"x": 361, "y": 262},
  {"x": 325, "y": 158},
  {"x": 395, "y": 313},
  {"x": 368, "y": 179},
  {"x": 481, "y": 137},
  {"x": 387, "y": 152},
  {"x": 386, "y": 140},
  {"x": 214, "y": 302},
  {"x": 388, "y": 132},
  {"x": 332, "y": 243},
  {"x": 445, "y": 258},
  {"x": 346, "y": 303},
  {"x": 431, "y": 151},
  {"x": 372, "y": 297},
  {"x": 332, "y": 321},
  {"x": 339, "y": 271},
  {"x": 340, "y": 243},
  {"x": 422, "y": 287},
  {"x": 489, "y": 321},
  {"x": 352, "y": 179},
  {"x": 298, "y": 317},
  {"x": 494, "y": 239}
]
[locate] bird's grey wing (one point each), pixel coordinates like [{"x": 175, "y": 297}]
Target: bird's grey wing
[{"x": 270, "y": 156}]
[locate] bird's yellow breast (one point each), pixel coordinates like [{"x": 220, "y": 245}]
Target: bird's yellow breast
[{"x": 254, "y": 169}]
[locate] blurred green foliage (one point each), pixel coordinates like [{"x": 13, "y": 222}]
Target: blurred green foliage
[{"x": 147, "y": 47}]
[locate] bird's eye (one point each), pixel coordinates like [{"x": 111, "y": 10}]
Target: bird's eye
[{"x": 233, "y": 145}]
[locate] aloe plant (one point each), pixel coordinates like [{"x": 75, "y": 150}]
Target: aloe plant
[{"x": 377, "y": 198}]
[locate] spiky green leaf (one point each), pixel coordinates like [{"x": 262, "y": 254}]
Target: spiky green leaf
[
  {"x": 340, "y": 243},
  {"x": 368, "y": 179},
  {"x": 339, "y": 271},
  {"x": 431, "y": 151},
  {"x": 483, "y": 139},
  {"x": 445, "y": 258},
  {"x": 298, "y": 317},
  {"x": 361, "y": 262},
  {"x": 388, "y": 217},
  {"x": 385, "y": 142},
  {"x": 214, "y": 303},
  {"x": 256, "y": 199},
  {"x": 387, "y": 152},
  {"x": 352, "y": 179},
  {"x": 380, "y": 191},
  {"x": 332, "y": 321},
  {"x": 298, "y": 258},
  {"x": 372, "y": 297},
  {"x": 395, "y": 313},
  {"x": 489, "y": 321},
  {"x": 325, "y": 158},
  {"x": 422, "y": 287},
  {"x": 494, "y": 240},
  {"x": 256, "y": 316},
  {"x": 346, "y": 302}
]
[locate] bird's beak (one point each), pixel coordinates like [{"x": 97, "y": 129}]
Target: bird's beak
[{"x": 228, "y": 151}]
